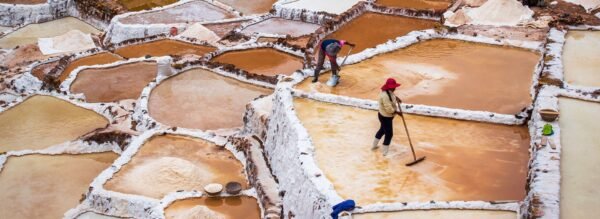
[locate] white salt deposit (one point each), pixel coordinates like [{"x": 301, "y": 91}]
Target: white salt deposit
[
  {"x": 497, "y": 13},
  {"x": 199, "y": 212},
  {"x": 198, "y": 31},
  {"x": 72, "y": 41},
  {"x": 329, "y": 6},
  {"x": 166, "y": 174},
  {"x": 589, "y": 5},
  {"x": 92, "y": 215}
]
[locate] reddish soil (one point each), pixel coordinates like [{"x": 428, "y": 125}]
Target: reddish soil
[{"x": 565, "y": 13}]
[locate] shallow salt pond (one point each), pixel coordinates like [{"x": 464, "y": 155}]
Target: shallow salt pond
[
  {"x": 580, "y": 158},
  {"x": 43, "y": 121},
  {"x": 416, "y": 4},
  {"x": 447, "y": 73},
  {"x": 227, "y": 208},
  {"x": 251, "y": 7},
  {"x": 282, "y": 27},
  {"x": 360, "y": 31},
  {"x": 115, "y": 83},
  {"x": 465, "y": 160},
  {"x": 439, "y": 214},
  {"x": 580, "y": 58},
  {"x": 46, "y": 186},
  {"x": 191, "y": 12},
  {"x": 30, "y": 33},
  {"x": 329, "y": 6},
  {"x": 169, "y": 163},
  {"x": 98, "y": 59},
  {"x": 193, "y": 98},
  {"x": 265, "y": 61},
  {"x": 163, "y": 48},
  {"x": 138, "y": 5}
]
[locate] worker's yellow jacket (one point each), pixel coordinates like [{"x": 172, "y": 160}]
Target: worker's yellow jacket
[{"x": 387, "y": 107}]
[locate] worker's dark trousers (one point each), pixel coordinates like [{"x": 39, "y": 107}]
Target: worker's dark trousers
[
  {"x": 386, "y": 129},
  {"x": 320, "y": 61}
]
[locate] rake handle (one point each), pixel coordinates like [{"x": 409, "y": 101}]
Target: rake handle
[{"x": 407, "y": 133}]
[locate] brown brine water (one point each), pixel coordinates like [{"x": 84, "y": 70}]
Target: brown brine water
[
  {"x": 251, "y": 7},
  {"x": 116, "y": 83},
  {"x": 467, "y": 161},
  {"x": 282, "y": 27},
  {"x": 47, "y": 186},
  {"x": 193, "y": 98},
  {"x": 265, "y": 61},
  {"x": 371, "y": 29},
  {"x": 227, "y": 208},
  {"x": 447, "y": 73},
  {"x": 163, "y": 48},
  {"x": 97, "y": 59},
  {"x": 191, "y": 12},
  {"x": 416, "y": 4},
  {"x": 170, "y": 163},
  {"x": 43, "y": 121},
  {"x": 138, "y": 5}
]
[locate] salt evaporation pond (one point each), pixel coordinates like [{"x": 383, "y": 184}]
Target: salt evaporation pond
[
  {"x": 47, "y": 186},
  {"x": 97, "y": 59},
  {"x": 251, "y": 7},
  {"x": 466, "y": 161},
  {"x": 222, "y": 29},
  {"x": 138, "y": 5},
  {"x": 226, "y": 208},
  {"x": 416, "y": 4},
  {"x": 447, "y": 73},
  {"x": 24, "y": 2},
  {"x": 360, "y": 31},
  {"x": 170, "y": 163},
  {"x": 264, "y": 61},
  {"x": 282, "y": 27},
  {"x": 580, "y": 158},
  {"x": 116, "y": 83},
  {"x": 201, "y": 99},
  {"x": 329, "y": 6},
  {"x": 580, "y": 58},
  {"x": 30, "y": 33},
  {"x": 439, "y": 214},
  {"x": 42, "y": 121},
  {"x": 191, "y": 12},
  {"x": 163, "y": 48},
  {"x": 92, "y": 215},
  {"x": 42, "y": 70}
]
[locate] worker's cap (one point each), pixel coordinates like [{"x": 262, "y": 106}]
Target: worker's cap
[
  {"x": 333, "y": 49},
  {"x": 390, "y": 84}
]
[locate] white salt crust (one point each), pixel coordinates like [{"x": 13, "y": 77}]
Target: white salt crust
[
  {"x": 118, "y": 32},
  {"x": 21, "y": 14}
]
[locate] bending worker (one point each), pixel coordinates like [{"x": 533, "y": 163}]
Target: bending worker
[
  {"x": 329, "y": 48},
  {"x": 388, "y": 103}
]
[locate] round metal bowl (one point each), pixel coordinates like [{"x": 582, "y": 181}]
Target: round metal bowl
[{"x": 233, "y": 188}]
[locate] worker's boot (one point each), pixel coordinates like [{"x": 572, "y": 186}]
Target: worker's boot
[
  {"x": 375, "y": 144},
  {"x": 385, "y": 149}
]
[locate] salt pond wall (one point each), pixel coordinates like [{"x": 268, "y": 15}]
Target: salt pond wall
[{"x": 14, "y": 15}]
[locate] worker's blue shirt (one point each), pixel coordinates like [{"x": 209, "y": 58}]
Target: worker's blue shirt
[{"x": 326, "y": 43}]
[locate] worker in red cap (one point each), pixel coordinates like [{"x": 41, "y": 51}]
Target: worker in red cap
[
  {"x": 329, "y": 48},
  {"x": 388, "y": 103}
]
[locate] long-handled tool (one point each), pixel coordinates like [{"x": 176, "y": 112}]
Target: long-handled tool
[
  {"x": 335, "y": 79},
  {"x": 415, "y": 160}
]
